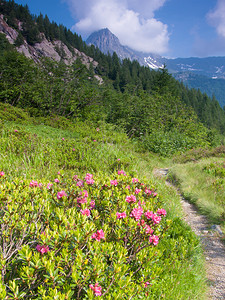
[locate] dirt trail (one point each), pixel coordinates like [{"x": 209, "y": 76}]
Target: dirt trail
[{"x": 214, "y": 249}]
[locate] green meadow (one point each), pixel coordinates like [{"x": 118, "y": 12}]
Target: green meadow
[{"x": 41, "y": 158}]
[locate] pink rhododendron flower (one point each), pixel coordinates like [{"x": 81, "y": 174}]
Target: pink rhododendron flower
[
  {"x": 137, "y": 191},
  {"x": 75, "y": 178},
  {"x": 42, "y": 249},
  {"x": 118, "y": 159},
  {"x": 148, "y": 229},
  {"x": 161, "y": 212},
  {"x": 2, "y": 174},
  {"x": 15, "y": 130},
  {"x": 74, "y": 149},
  {"x": 90, "y": 181},
  {"x": 89, "y": 178},
  {"x": 81, "y": 200},
  {"x": 137, "y": 213},
  {"x": 61, "y": 194},
  {"x": 142, "y": 222},
  {"x": 92, "y": 204},
  {"x": 94, "y": 140},
  {"x": 128, "y": 187},
  {"x": 98, "y": 235},
  {"x": 97, "y": 129},
  {"x": 33, "y": 183},
  {"x": 131, "y": 198},
  {"x": 40, "y": 184},
  {"x": 114, "y": 182},
  {"x": 121, "y": 215},
  {"x": 149, "y": 214},
  {"x": 56, "y": 180},
  {"x": 58, "y": 173},
  {"x": 156, "y": 219},
  {"x": 80, "y": 183},
  {"x": 96, "y": 288},
  {"x": 154, "y": 239},
  {"x": 148, "y": 192},
  {"x": 63, "y": 139},
  {"x": 155, "y": 194},
  {"x": 86, "y": 212},
  {"x": 134, "y": 180},
  {"x": 121, "y": 172},
  {"x": 146, "y": 284},
  {"x": 49, "y": 185}
]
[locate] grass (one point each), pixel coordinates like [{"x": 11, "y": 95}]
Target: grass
[
  {"x": 203, "y": 189},
  {"x": 38, "y": 149}
]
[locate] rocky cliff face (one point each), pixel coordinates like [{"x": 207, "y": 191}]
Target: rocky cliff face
[{"x": 55, "y": 50}]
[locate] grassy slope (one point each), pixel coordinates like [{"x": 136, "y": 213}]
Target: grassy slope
[
  {"x": 33, "y": 149},
  {"x": 203, "y": 188}
]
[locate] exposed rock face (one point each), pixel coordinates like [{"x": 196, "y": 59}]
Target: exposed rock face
[
  {"x": 55, "y": 50},
  {"x": 11, "y": 34}
]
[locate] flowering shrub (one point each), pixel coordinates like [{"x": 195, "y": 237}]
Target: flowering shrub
[
  {"x": 42, "y": 249},
  {"x": 96, "y": 288},
  {"x": 79, "y": 241}
]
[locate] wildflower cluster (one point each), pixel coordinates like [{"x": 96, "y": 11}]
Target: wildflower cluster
[{"x": 84, "y": 237}]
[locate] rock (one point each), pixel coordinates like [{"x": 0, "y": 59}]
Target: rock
[
  {"x": 11, "y": 34},
  {"x": 55, "y": 50},
  {"x": 217, "y": 228}
]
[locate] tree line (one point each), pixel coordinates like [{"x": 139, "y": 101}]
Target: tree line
[{"x": 151, "y": 106}]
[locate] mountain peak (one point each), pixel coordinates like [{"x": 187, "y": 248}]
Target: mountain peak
[
  {"x": 107, "y": 42},
  {"x": 103, "y": 31}
]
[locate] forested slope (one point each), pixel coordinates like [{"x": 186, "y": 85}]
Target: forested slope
[{"x": 151, "y": 106}]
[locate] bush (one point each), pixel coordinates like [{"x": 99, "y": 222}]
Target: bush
[{"x": 76, "y": 239}]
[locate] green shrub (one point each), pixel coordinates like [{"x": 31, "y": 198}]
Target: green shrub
[
  {"x": 64, "y": 236},
  {"x": 11, "y": 113}
]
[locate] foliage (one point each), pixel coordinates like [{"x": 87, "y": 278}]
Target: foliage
[
  {"x": 65, "y": 226},
  {"x": 210, "y": 86},
  {"x": 31, "y": 156},
  {"x": 69, "y": 234},
  {"x": 39, "y": 150},
  {"x": 80, "y": 238},
  {"x": 208, "y": 110},
  {"x": 119, "y": 74},
  {"x": 11, "y": 113},
  {"x": 198, "y": 153},
  {"x": 202, "y": 182},
  {"x": 160, "y": 123}
]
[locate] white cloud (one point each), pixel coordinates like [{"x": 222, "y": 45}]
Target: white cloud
[
  {"x": 131, "y": 21},
  {"x": 217, "y": 18}
]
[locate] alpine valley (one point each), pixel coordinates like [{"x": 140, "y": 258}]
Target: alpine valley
[
  {"x": 206, "y": 74},
  {"x": 85, "y": 138}
]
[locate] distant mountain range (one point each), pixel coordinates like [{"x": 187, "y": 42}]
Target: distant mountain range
[{"x": 207, "y": 74}]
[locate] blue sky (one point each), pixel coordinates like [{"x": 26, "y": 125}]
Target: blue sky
[{"x": 171, "y": 28}]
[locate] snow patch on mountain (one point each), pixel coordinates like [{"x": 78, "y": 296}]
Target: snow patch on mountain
[{"x": 153, "y": 63}]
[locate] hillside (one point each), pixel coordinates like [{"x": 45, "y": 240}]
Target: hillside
[
  {"x": 149, "y": 105},
  {"x": 81, "y": 213},
  {"x": 212, "y": 87}
]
